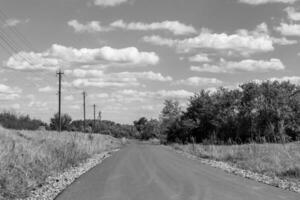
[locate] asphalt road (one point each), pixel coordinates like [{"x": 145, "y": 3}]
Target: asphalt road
[{"x": 145, "y": 172}]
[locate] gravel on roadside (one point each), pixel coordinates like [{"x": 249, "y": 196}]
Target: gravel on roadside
[
  {"x": 231, "y": 168},
  {"x": 56, "y": 184}
]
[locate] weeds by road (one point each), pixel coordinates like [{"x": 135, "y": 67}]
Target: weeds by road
[
  {"x": 282, "y": 160},
  {"x": 27, "y": 158}
]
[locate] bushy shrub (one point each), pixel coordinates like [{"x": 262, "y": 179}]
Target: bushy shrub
[{"x": 12, "y": 120}]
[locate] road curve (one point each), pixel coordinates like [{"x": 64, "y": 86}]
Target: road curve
[{"x": 146, "y": 172}]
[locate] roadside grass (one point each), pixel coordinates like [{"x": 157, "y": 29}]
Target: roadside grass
[
  {"x": 27, "y": 158},
  {"x": 281, "y": 160}
]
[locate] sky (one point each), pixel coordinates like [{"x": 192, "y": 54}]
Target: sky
[{"x": 131, "y": 55}]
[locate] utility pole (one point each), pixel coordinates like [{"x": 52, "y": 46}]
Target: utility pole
[
  {"x": 60, "y": 73},
  {"x": 84, "y": 125},
  {"x": 94, "y": 117}
]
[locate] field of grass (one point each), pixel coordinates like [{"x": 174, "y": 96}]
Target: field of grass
[
  {"x": 27, "y": 158},
  {"x": 282, "y": 160}
]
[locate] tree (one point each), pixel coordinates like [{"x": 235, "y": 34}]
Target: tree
[
  {"x": 65, "y": 122},
  {"x": 169, "y": 114},
  {"x": 140, "y": 125}
]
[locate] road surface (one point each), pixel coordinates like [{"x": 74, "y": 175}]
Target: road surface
[{"x": 147, "y": 172}]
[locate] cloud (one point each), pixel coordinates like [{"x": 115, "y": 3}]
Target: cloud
[
  {"x": 14, "y": 22},
  {"x": 289, "y": 29},
  {"x": 284, "y": 41},
  {"x": 109, "y": 3},
  {"x": 292, "y": 13},
  {"x": 9, "y": 93},
  {"x": 90, "y": 27},
  {"x": 243, "y": 42},
  {"x": 259, "y": 2},
  {"x": 126, "y": 76},
  {"x": 177, "y": 28},
  {"x": 82, "y": 73},
  {"x": 59, "y": 55},
  {"x": 100, "y": 83},
  {"x": 291, "y": 79},
  {"x": 199, "y": 81},
  {"x": 161, "y": 94},
  {"x": 69, "y": 98},
  {"x": 46, "y": 89},
  {"x": 244, "y": 65},
  {"x": 95, "y": 78},
  {"x": 200, "y": 58}
]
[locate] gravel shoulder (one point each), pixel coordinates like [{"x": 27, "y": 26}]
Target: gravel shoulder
[
  {"x": 232, "y": 169},
  {"x": 54, "y": 185}
]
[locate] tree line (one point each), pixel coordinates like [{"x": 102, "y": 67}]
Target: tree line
[{"x": 254, "y": 112}]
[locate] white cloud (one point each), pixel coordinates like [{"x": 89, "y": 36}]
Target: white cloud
[
  {"x": 200, "y": 58},
  {"x": 199, "y": 81},
  {"x": 82, "y": 73},
  {"x": 120, "y": 76},
  {"x": 259, "y": 2},
  {"x": 109, "y": 3},
  {"x": 120, "y": 79},
  {"x": 289, "y": 29},
  {"x": 69, "y": 98},
  {"x": 100, "y": 83},
  {"x": 59, "y": 55},
  {"x": 292, "y": 13},
  {"x": 284, "y": 41},
  {"x": 91, "y": 27},
  {"x": 9, "y": 93},
  {"x": 243, "y": 41},
  {"x": 15, "y": 22},
  {"x": 161, "y": 94},
  {"x": 244, "y": 65},
  {"x": 38, "y": 104},
  {"x": 46, "y": 89},
  {"x": 175, "y": 27},
  {"x": 74, "y": 107},
  {"x": 291, "y": 79}
]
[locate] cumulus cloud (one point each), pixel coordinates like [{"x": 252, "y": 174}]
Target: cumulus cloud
[
  {"x": 69, "y": 98},
  {"x": 46, "y": 89},
  {"x": 91, "y": 27},
  {"x": 175, "y": 27},
  {"x": 9, "y": 93},
  {"x": 291, "y": 79},
  {"x": 289, "y": 29},
  {"x": 109, "y": 3},
  {"x": 15, "y": 22},
  {"x": 101, "y": 83},
  {"x": 95, "y": 78},
  {"x": 200, "y": 58},
  {"x": 243, "y": 41},
  {"x": 199, "y": 81},
  {"x": 259, "y": 2},
  {"x": 284, "y": 41},
  {"x": 161, "y": 94},
  {"x": 292, "y": 13},
  {"x": 244, "y": 65},
  {"x": 68, "y": 56}
]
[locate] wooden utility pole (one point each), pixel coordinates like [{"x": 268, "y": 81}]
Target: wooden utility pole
[
  {"x": 94, "y": 117},
  {"x": 84, "y": 124},
  {"x": 60, "y": 73}
]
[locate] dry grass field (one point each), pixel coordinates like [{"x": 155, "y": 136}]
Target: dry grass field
[
  {"x": 27, "y": 158},
  {"x": 282, "y": 160}
]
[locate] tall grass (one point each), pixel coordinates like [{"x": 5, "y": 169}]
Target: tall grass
[
  {"x": 27, "y": 158},
  {"x": 271, "y": 159}
]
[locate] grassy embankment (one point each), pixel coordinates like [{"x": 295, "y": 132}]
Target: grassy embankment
[
  {"x": 281, "y": 160},
  {"x": 27, "y": 158}
]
